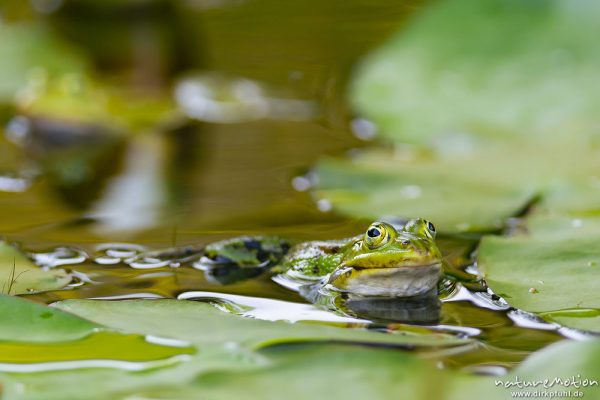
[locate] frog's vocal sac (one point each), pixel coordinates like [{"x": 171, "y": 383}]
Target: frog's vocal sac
[{"x": 384, "y": 261}]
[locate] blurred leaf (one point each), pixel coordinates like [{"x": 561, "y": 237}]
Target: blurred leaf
[
  {"x": 501, "y": 68},
  {"x": 318, "y": 372},
  {"x": 27, "y": 49},
  {"x": 18, "y": 275},
  {"x": 552, "y": 270},
  {"x": 476, "y": 189},
  {"x": 79, "y": 100},
  {"x": 572, "y": 360},
  {"x": 503, "y": 96}
]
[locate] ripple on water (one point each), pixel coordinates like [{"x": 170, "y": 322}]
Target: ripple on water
[
  {"x": 269, "y": 309},
  {"x": 59, "y": 256}
]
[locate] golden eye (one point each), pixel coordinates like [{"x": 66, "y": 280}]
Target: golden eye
[{"x": 376, "y": 236}]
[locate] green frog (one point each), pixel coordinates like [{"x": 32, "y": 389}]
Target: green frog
[{"x": 384, "y": 261}]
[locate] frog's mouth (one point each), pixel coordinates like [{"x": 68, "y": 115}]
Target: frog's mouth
[
  {"x": 400, "y": 281},
  {"x": 393, "y": 266}
]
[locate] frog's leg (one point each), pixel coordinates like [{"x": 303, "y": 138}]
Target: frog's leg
[{"x": 470, "y": 281}]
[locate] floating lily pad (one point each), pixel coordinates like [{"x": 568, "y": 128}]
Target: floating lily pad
[
  {"x": 498, "y": 68},
  {"x": 472, "y": 190},
  {"x": 575, "y": 364},
  {"x": 203, "y": 324},
  {"x": 18, "y": 275},
  {"x": 227, "y": 366},
  {"x": 488, "y": 92},
  {"x": 553, "y": 269},
  {"x": 26, "y": 321},
  {"x": 319, "y": 372}
]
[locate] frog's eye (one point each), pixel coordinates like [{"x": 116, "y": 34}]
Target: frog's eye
[
  {"x": 377, "y": 235},
  {"x": 431, "y": 228},
  {"x": 420, "y": 227}
]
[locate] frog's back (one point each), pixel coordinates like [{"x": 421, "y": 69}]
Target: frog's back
[{"x": 314, "y": 260}]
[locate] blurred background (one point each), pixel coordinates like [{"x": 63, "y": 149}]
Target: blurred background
[{"x": 162, "y": 121}]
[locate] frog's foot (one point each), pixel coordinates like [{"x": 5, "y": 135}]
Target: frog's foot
[{"x": 404, "y": 281}]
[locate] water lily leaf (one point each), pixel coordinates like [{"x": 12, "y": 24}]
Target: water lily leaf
[
  {"x": 26, "y": 321},
  {"x": 552, "y": 269},
  {"x": 18, "y": 275},
  {"x": 575, "y": 364},
  {"x": 473, "y": 190},
  {"x": 271, "y": 371},
  {"x": 203, "y": 324},
  {"x": 497, "y": 68},
  {"x": 368, "y": 373},
  {"x": 491, "y": 90},
  {"x": 225, "y": 342},
  {"x": 27, "y": 49}
]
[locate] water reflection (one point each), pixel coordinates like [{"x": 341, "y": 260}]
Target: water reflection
[
  {"x": 418, "y": 310},
  {"x": 218, "y": 98}
]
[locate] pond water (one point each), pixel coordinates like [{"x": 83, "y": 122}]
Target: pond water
[{"x": 204, "y": 181}]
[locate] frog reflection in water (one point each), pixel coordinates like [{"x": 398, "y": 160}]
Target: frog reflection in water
[{"x": 384, "y": 261}]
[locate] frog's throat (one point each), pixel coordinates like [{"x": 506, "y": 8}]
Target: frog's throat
[{"x": 402, "y": 281}]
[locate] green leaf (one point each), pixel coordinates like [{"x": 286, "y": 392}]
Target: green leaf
[
  {"x": 225, "y": 342},
  {"x": 318, "y": 372},
  {"x": 18, "y": 275},
  {"x": 203, "y": 324},
  {"x": 227, "y": 367},
  {"x": 552, "y": 270},
  {"x": 26, "y": 321},
  {"x": 566, "y": 360},
  {"x": 472, "y": 190},
  {"x": 491, "y": 90},
  {"x": 33, "y": 334},
  {"x": 27, "y": 49},
  {"x": 498, "y": 68}
]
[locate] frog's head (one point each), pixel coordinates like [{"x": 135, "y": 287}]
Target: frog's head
[{"x": 386, "y": 261}]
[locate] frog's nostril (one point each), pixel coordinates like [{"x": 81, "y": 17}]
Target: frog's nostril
[{"x": 406, "y": 242}]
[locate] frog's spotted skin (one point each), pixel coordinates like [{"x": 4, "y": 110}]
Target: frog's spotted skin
[
  {"x": 313, "y": 260},
  {"x": 247, "y": 251}
]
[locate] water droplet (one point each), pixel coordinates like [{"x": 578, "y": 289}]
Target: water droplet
[
  {"x": 301, "y": 183},
  {"x": 363, "y": 129},
  {"x": 324, "y": 205}
]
